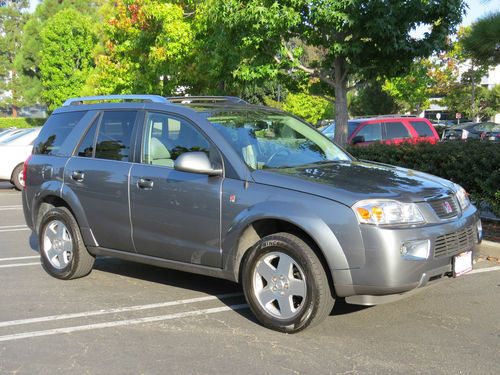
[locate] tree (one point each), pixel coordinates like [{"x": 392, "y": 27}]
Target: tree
[
  {"x": 12, "y": 20},
  {"x": 146, "y": 45},
  {"x": 355, "y": 40},
  {"x": 412, "y": 90},
  {"x": 486, "y": 102},
  {"x": 66, "y": 56},
  {"x": 482, "y": 43},
  {"x": 370, "y": 99}
]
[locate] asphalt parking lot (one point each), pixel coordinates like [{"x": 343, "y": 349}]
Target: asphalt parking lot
[{"x": 126, "y": 318}]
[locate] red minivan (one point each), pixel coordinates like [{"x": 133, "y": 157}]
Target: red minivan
[{"x": 391, "y": 130}]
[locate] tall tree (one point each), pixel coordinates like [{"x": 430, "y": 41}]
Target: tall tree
[
  {"x": 12, "y": 20},
  {"x": 356, "y": 40},
  {"x": 483, "y": 41},
  {"x": 66, "y": 57}
]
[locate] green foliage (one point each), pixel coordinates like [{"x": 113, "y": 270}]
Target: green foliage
[
  {"x": 20, "y": 122},
  {"x": 68, "y": 42},
  {"x": 308, "y": 107},
  {"x": 474, "y": 165},
  {"x": 486, "y": 102},
  {"x": 372, "y": 100},
  {"x": 483, "y": 40}
]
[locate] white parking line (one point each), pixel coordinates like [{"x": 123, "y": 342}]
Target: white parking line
[
  {"x": 118, "y": 310},
  {"x": 19, "y": 258},
  {"x": 481, "y": 270},
  {"x": 19, "y": 265},
  {"x": 7, "y": 208},
  {"x": 13, "y": 228},
  {"x": 118, "y": 323}
]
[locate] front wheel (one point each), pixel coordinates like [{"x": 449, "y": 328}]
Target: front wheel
[
  {"x": 285, "y": 284},
  {"x": 62, "y": 250}
]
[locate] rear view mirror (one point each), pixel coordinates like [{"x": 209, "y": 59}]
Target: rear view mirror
[{"x": 196, "y": 162}]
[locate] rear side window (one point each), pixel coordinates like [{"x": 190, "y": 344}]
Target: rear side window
[
  {"x": 86, "y": 148},
  {"x": 115, "y": 133},
  {"x": 55, "y": 131},
  {"x": 422, "y": 128},
  {"x": 371, "y": 133},
  {"x": 394, "y": 130}
]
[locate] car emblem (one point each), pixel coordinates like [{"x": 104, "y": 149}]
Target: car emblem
[{"x": 447, "y": 207}]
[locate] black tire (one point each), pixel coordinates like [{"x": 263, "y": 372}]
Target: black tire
[
  {"x": 15, "y": 180},
  {"x": 318, "y": 301},
  {"x": 81, "y": 261}
]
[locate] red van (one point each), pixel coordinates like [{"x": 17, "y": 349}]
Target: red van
[{"x": 389, "y": 130}]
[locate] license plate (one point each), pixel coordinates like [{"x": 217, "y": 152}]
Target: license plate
[{"x": 462, "y": 263}]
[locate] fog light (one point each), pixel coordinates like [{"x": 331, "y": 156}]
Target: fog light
[
  {"x": 416, "y": 250},
  {"x": 479, "y": 231}
]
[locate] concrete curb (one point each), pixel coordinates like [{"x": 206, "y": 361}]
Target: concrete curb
[{"x": 496, "y": 245}]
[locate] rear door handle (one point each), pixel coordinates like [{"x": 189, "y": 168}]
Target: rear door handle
[
  {"x": 144, "y": 183},
  {"x": 78, "y": 176}
]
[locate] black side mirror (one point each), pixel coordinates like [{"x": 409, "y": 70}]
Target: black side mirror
[{"x": 358, "y": 139}]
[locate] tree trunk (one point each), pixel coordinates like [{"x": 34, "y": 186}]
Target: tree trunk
[
  {"x": 14, "y": 111},
  {"x": 341, "y": 114}
]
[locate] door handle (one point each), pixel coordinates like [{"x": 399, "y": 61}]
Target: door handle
[
  {"x": 144, "y": 183},
  {"x": 78, "y": 176}
]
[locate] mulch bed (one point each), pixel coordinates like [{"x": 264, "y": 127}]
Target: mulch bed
[{"x": 491, "y": 230}]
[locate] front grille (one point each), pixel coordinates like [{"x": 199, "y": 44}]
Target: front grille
[
  {"x": 455, "y": 242},
  {"x": 445, "y": 208}
]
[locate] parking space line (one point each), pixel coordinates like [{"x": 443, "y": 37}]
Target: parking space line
[
  {"x": 118, "y": 323},
  {"x": 481, "y": 270},
  {"x": 13, "y": 228},
  {"x": 7, "y": 208},
  {"x": 118, "y": 310},
  {"x": 19, "y": 265},
  {"x": 19, "y": 258}
]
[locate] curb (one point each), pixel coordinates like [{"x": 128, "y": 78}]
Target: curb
[{"x": 496, "y": 245}]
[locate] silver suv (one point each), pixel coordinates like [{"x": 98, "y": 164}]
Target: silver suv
[{"x": 215, "y": 186}]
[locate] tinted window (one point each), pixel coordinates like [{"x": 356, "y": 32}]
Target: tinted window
[
  {"x": 395, "y": 130},
  {"x": 351, "y": 127},
  {"x": 55, "y": 131},
  {"x": 167, "y": 137},
  {"x": 422, "y": 128},
  {"x": 115, "y": 132},
  {"x": 371, "y": 133},
  {"x": 86, "y": 148}
]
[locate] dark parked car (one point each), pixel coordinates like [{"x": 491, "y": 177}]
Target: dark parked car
[
  {"x": 389, "y": 130},
  {"x": 241, "y": 192},
  {"x": 473, "y": 130}
]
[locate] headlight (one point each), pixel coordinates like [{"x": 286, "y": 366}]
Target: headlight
[
  {"x": 387, "y": 212},
  {"x": 463, "y": 197}
]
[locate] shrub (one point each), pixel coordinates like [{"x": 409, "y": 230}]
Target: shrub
[
  {"x": 474, "y": 164},
  {"x": 20, "y": 122}
]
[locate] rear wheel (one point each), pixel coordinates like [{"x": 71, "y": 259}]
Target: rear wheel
[
  {"x": 17, "y": 178},
  {"x": 285, "y": 284},
  {"x": 62, "y": 250}
]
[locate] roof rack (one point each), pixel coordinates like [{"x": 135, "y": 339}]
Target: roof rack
[
  {"x": 145, "y": 98},
  {"x": 206, "y": 99}
]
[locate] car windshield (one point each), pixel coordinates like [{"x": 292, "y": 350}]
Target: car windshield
[{"x": 274, "y": 140}]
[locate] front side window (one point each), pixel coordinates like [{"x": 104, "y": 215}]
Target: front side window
[
  {"x": 370, "y": 133},
  {"x": 55, "y": 131},
  {"x": 395, "y": 130},
  {"x": 166, "y": 137},
  {"x": 115, "y": 134},
  {"x": 273, "y": 140},
  {"x": 422, "y": 128}
]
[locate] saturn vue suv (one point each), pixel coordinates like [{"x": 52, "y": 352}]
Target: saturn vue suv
[{"x": 219, "y": 187}]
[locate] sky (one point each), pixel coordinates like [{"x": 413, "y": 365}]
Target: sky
[{"x": 477, "y": 9}]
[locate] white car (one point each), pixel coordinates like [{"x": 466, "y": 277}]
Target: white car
[
  {"x": 13, "y": 152},
  {"x": 4, "y": 135}
]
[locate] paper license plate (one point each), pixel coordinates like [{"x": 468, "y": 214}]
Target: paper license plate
[{"x": 462, "y": 263}]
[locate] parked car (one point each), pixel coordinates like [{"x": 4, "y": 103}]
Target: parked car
[
  {"x": 241, "y": 192},
  {"x": 9, "y": 132},
  {"x": 13, "y": 152},
  {"x": 473, "y": 130},
  {"x": 389, "y": 130}
]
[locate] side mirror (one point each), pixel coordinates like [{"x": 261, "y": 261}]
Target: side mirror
[
  {"x": 358, "y": 139},
  {"x": 196, "y": 162}
]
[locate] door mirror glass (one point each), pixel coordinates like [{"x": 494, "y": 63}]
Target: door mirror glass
[{"x": 196, "y": 162}]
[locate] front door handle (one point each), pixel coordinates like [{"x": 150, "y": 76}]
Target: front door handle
[
  {"x": 78, "y": 176},
  {"x": 144, "y": 183}
]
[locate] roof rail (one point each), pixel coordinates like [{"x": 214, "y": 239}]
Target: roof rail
[
  {"x": 393, "y": 115},
  {"x": 145, "y": 98},
  {"x": 206, "y": 99}
]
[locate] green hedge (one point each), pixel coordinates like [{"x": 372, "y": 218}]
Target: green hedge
[
  {"x": 20, "y": 122},
  {"x": 474, "y": 164}
]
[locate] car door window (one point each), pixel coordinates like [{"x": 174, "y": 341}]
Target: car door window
[
  {"x": 86, "y": 148},
  {"x": 422, "y": 128},
  {"x": 115, "y": 133},
  {"x": 396, "y": 130},
  {"x": 371, "y": 133},
  {"x": 167, "y": 137}
]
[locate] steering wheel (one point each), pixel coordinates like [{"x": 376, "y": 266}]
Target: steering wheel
[{"x": 284, "y": 151}]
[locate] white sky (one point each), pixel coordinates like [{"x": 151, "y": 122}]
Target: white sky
[{"x": 477, "y": 9}]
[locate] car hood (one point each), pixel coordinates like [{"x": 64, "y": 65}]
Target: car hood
[{"x": 349, "y": 182}]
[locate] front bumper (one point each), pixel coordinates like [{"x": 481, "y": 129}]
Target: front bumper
[{"x": 387, "y": 272}]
